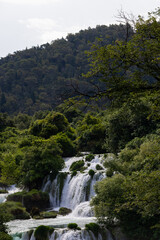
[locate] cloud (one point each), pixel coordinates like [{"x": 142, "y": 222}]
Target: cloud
[
  {"x": 39, "y": 24},
  {"x": 29, "y": 2}
]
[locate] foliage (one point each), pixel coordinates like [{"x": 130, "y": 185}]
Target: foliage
[
  {"x": 132, "y": 192},
  {"x": 130, "y": 67},
  {"x": 40, "y": 78},
  {"x": 41, "y": 159},
  {"x": 76, "y": 166},
  {"x": 66, "y": 144},
  {"x": 94, "y": 227},
  {"x": 72, "y": 226},
  {"x": 89, "y": 157},
  {"x": 91, "y": 172},
  {"x": 5, "y": 236},
  {"x": 42, "y": 232},
  {"x": 91, "y": 134},
  {"x": 14, "y": 210}
]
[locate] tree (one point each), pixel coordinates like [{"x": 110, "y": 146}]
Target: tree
[{"x": 131, "y": 66}]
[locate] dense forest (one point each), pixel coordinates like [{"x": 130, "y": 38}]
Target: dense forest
[
  {"x": 129, "y": 127},
  {"x": 40, "y": 78}
]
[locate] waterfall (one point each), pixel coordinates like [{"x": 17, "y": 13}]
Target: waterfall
[
  {"x": 71, "y": 192},
  {"x": 65, "y": 234},
  {"x": 11, "y": 189}
]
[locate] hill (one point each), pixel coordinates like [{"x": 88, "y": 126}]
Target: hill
[{"x": 39, "y": 78}]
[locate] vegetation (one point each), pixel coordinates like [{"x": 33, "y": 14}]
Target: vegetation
[
  {"x": 64, "y": 211},
  {"x": 40, "y": 78},
  {"x": 89, "y": 157},
  {"x": 94, "y": 227},
  {"x": 91, "y": 172},
  {"x": 77, "y": 166},
  {"x": 73, "y": 226},
  {"x": 128, "y": 127},
  {"x": 14, "y": 210},
  {"x": 42, "y": 232}
]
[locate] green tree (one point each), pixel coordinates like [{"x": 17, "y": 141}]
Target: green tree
[{"x": 132, "y": 66}]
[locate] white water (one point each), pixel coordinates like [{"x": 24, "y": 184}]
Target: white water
[
  {"x": 76, "y": 193},
  {"x": 77, "y": 189},
  {"x": 11, "y": 189}
]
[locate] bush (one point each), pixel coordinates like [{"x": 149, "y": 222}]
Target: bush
[
  {"x": 5, "y": 236},
  {"x": 91, "y": 172},
  {"x": 89, "y": 157},
  {"x": 14, "y": 210},
  {"x": 98, "y": 167},
  {"x": 36, "y": 199},
  {"x": 94, "y": 227},
  {"x": 42, "y": 232},
  {"x": 77, "y": 165},
  {"x": 72, "y": 226}
]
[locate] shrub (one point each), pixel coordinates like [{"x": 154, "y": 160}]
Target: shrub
[
  {"x": 72, "y": 226},
  {"x": 5, "y": 236},
  {"x": 77, "y": 165},
  {"x": 98, "y": 167},
  {"x": 91, "y": 172},
  {"x": 109, "y": 172},
  {"x": 42, "y": 232},
  {"x": 14, "y": 210},
  {"x": 94, "y": 227},
  {"x": 89, "y": 157}
]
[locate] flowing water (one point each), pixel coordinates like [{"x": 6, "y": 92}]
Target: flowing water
[{"x": 73, "y": 192}]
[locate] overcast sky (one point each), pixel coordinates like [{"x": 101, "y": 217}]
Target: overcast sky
[{"x": 27, "y": 23}]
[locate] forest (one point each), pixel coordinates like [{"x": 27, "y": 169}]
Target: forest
[{"x": 38, "y": 128}]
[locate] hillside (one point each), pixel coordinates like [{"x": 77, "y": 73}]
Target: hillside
[{"x": 40, "y": 78}]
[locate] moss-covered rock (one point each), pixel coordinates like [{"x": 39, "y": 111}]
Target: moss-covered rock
[
  {"x": 14, "y": 210},
  {"x": 64, "y": 211},
  {"x": 89, "y": 157},
  {"x": 91, "y": 172},
  {"x": 32, "y": 199},
  {"x": 72, "y": 226},
  {"x": 77, "y": 165},
  {"x": 52, "y": 214},
  {"x": 43, "y": 232},
  {"x": 94, "y": 227}
]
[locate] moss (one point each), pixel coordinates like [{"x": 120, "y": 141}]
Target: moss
[
  {"x": 64, "y": 211},
  {"x": 98, "y": 167},
  {"x": 94, "y": 227},
  {"x": 91, "y": 172},
  {"x": 77, "y": 165},
  {"x": 72, "y": 226},
  {"x": 74, "y": 173},
  {"x": 61, "y": 178},
  {"x": 87, "y": 188},
  {"x": 42, "y": 232},
  {"x": 89, "y": 157},
  {"x": 52, "y": 214}
]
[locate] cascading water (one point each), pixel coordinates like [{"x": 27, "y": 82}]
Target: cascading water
[
  {"x": 70, "y": 191},
  {"x": 73, "y": 192},
  {"x": 10, "y": 190}
]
